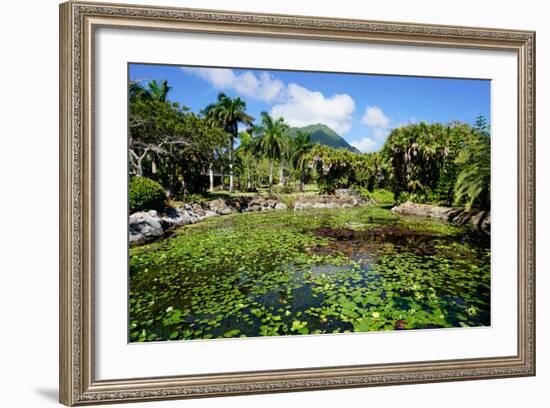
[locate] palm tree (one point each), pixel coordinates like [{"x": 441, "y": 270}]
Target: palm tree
[
  {"x": 301, "y": 147},
  {"x": 244, "y": 158},
  {"x": 473, "y": 184},
  {"x": 229, "y": 113},
  {"x": 272, "y": 141},
  {"x": 153, "y": 92},
  {"x": 158, "y": 92}
]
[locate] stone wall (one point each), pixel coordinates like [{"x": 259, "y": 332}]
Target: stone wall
[{"x": 150, "y": 225}]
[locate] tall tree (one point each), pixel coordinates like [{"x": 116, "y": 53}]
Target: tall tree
[
  {"x": 272, "y": 141},
  {"x": 229, "y": 113},
  {"x": 154, "y": 92},
  {"x": 301, "y": 146},
  {"x": 167, "y": 142},
  {"x": 473, "y": 184},
  {"x": 245, "y": 162},
  {"x": 159, "y": 92}
]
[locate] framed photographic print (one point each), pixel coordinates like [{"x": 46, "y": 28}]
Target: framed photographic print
[{"x": 263, "y": 203}]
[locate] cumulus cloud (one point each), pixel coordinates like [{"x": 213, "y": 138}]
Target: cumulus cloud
[
  {"x": 380, "y": 127},
  {"x": 262, "y": 86},
  {"x": 366, "y": 145},
  {"x": 304, "y": 107},
  {"x": 374, "y": 118}
]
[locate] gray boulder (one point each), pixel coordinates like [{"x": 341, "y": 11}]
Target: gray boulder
[
  {"x": 260, "y": 203},
  {"x": 145, "y": 227},
  {"x": 176, "y": 217},
  {"x": 219, "y": 206},
  {"x": 478, "y": 219},
  {"x": 327, "y": 201}
]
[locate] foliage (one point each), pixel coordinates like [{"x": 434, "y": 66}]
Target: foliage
[
  {"x": 473, "y": 184},
  {"x": 168, "y": 143},
  {"x": 272, "y": 273},
  {"x": 416, "y": 154},
  {"x": 146, "y": 194},
  {"x": 271, "y": 140},
  {"x": 445, "y": 164},
  {"x": 378, "y": 196},
  {"x": 194, "y": 199},
  {"x": 333, "y": 167},
  {"x": 284, "y": 189},
  {"x": 437, "y": 164},
  {"x": 228, "y": 113},
  {"x": 301, "y": 146}
]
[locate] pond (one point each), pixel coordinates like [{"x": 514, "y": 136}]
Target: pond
[{"x": 308, "y": 272}]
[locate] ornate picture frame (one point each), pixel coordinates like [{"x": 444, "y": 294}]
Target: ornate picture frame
[{"x": 79, "y": 22}]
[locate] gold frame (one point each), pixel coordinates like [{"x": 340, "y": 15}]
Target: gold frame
[{"x": 78, "y": 22}]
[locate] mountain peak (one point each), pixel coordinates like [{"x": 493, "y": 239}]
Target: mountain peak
[{"x": 323, "y": 134}]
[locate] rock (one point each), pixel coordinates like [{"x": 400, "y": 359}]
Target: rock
[
  {"x": 346, "y": 192},
  {"x": 478, "y": 219},
  {"x": 326, "y": 201},
  {"x": 220, "y": 207},
  {"x": 149, "y": 226},
  {"x": 145, "y": 227},
  {"x": 254, "y": 207},
  {"x": 270, "y": 203},
  {"x": 176, "y": 217},
  {"x": 486, "y": 224},
  {"x": 260, "y": 203}
]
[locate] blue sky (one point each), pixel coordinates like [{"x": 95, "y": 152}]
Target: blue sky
[{"x": 361, "y": 108}]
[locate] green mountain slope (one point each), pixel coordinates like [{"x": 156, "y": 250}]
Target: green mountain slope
[{"x": 324, "y": 135}]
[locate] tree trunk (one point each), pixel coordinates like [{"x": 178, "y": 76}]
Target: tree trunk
[
  {"x": 211, "y": 175},
  {"x": 231, "y": 147},
  {"x": 154, "y": 166},
  {"x": 139, "y": 166},
  {"x": 302, "y": 181},
  {"x": 282, "y": 173},
  {"x": 270, "y": 173},
  {"x": 248, "y": 182}
]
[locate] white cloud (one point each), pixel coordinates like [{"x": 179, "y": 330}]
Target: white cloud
[
  {"x": 374, "y": 118},
  {"x": 262, "y": 86},
  {"x": 304, "y": 107},
  {"x": 380, "y": 126},
  {"x": 381, "y": 133},
  {"x": 366, "y": 145}
]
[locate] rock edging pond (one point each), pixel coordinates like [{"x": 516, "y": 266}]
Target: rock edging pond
[
  {"x": 478, "y": 219},
  {"x": 148, "y": 226}
]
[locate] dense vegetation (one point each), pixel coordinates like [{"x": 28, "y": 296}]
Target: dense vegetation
[{"x": 191, "y": 153}]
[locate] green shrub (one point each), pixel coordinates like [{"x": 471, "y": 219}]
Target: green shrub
[
  {"x": 194, "y": 199},
  {"x": 379, "y": 196},
  {"x": 146, "y": 194},
  {"x": 284, "y": 189}
]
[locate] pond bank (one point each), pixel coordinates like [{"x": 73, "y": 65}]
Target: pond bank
[
  {"x": 478, "y": 219},
  {"x": 149, "y": 226}
]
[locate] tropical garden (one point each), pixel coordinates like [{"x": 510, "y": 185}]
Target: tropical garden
[{"x": 317, "y": 271}]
